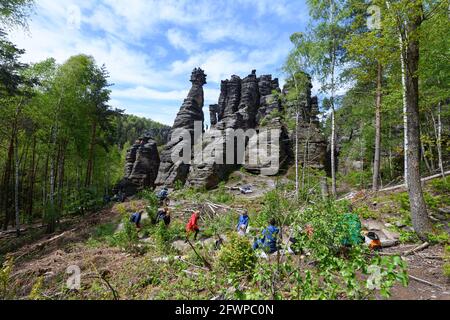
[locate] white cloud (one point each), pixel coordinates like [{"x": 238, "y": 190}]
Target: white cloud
[
  {"x": 181, "y": 40},
  {"x": 133, "y": 39}
]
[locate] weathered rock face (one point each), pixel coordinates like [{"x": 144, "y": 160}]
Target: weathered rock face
[
  {"x": 254, "y": 105},
  {"x": 141, "y": 168},
  {"x": 190, "y": 112},
  {"x": 243, "y": 103}
]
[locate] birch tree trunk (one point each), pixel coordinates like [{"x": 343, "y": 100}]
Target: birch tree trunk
[
  {"x": 376, "y": 162},
  {"x": 405, "y": 111},
  {"x": 439, "y": 140},
  {"x": 333, "y": 110}
]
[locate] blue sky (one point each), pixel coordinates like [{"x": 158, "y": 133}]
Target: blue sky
[{"x": 151, "y": 47}]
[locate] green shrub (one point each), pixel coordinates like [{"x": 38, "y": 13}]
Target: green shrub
[
  {"x": 86, "y": 201},
  {"x": 447, "y": 261},
  {"x": 408, "y": 237},
  {"x": 127, "y": 238},
  {"x": 163, "y": 237},
  {"x": 441, "y": 185},
  {"x": 365, "y": 213},
  {"x": 237, "y": 255},
  {"x": 150, "y": 197},
  {"x": 36, "y": 291},
  {"x": 357, "y": 179},
  {"x": 7, "y": 290},
  {"x": 178, "y": 185},
  {"x": 221, "y": 195},
  {"x": 439, "y": 238}
]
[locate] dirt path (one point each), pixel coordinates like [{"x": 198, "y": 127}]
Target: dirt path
[{"x": 425, "y": 265}]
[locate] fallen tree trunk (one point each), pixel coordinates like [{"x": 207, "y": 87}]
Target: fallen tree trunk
[
  {"x": 400, "y": 186},
  {"x": 410, "y": 252},
  {"x": 425, "y": 282}
]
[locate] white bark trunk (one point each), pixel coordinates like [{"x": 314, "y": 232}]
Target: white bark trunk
[
  {"x": 333, "y": 113},
  {"x": 439, "y": 140},
  {"x": 405, "y": 114}
]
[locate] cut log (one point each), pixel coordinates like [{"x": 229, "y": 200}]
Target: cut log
[
  {"x": 423, "y": 246},
  {"x": 425, "y": 282},
  {"x": 413, "y": 251}
]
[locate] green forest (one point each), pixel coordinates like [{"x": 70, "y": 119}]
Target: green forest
[{"x": 383, "y": 74}]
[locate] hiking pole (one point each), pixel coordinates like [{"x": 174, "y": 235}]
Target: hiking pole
[{"x": 207, "y": 264}]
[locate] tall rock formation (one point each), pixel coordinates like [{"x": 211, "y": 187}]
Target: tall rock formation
[
  {"x": 141, "y": 168},
  {"x": 247, "y": 108},
  {"x": 191, "y": 111},
  {"x": 243, "y": 104}
]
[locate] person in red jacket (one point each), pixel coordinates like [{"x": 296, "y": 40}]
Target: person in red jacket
[{"x": 192, "y": 225}]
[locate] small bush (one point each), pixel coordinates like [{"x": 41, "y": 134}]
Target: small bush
[
  {"x": 127, "y": 238},
  {"x": 178, "y": 185},
  {"x": 6, "y": 287},
  {"x": 36, "y": 291},
  {"x": 408, "y": 237},
  {"x": 163, "y": 237},
  {"x": 237, "y": 255},
  {"x": 439, "y": 238},
  {"x": 365, "y": 213},
  {"x": 222, "y": 196},
  {"x": 441, "y": 185},
  {"x": 150, "y": 197},
  {"x": 447, "y": 261}
]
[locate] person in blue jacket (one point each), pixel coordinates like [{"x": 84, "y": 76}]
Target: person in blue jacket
[
  {"x": 163, "y": 194},
  {"x": 268, "y": 242},
  {"x": 243, "y": 223},
  {"x": 136, "y": 219}
]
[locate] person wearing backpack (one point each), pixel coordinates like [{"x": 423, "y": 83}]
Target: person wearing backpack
[
  {"x": 136, "y": 219},
  {"x": 268, "y": 242},
  {"x": 163, "y": 196},
  {"x": 164, "y": 216}
]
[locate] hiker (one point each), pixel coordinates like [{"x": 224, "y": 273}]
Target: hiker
[
  {"x": 136, "y": 219},
  {"x": 269, "y": 238},
  {"x": 164, "y": 216},
  {"x": 192, "y": 225},
  {"x": 121, "y": 196},
  {"x": 242, "y": 225},
  {"x": 373, "y": 241},
  {"x": 163, "y": 195}
]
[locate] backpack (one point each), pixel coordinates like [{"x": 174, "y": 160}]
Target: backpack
[
  {"x": 133, "y": 218},
  {"x": 351, "y": 227},
  {"x": 373, "y": 241}
]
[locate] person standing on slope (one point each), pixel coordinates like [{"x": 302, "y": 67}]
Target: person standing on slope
[{"x": 192, "y": 226}]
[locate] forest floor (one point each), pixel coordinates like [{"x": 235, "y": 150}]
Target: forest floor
[{"x": 48, "y": 256}]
